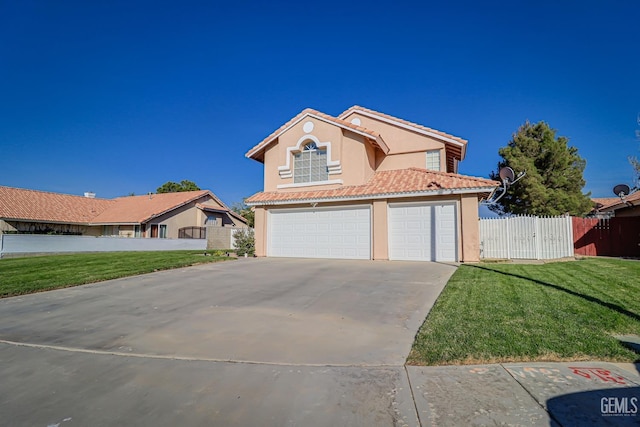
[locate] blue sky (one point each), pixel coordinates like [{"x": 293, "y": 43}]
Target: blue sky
[{"x": 119, "y": 97}]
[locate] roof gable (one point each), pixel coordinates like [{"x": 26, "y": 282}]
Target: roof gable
[
  {"x": 140, "y": 209},
  {"x": 375, "y": 138},
  {"x": 456, "y": 147}
]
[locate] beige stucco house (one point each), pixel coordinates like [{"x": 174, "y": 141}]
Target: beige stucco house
[
  {"x": 365, "y": 185},
  {"x": 167, "y": 215}
]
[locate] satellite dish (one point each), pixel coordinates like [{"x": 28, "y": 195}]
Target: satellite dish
[
  {"x": 507, "y": 174},
  {"x": 621, "y": 190}
]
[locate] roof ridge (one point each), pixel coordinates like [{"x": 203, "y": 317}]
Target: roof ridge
[
  {"x": 53, "y": 192},
  {"x": 407, "y": 122},
  {"x": 452, "y": 174}
]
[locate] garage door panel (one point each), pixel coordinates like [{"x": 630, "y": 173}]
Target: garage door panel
[
  {"x": 423, "y": 232},
  {"x": 321, "y": 233}
]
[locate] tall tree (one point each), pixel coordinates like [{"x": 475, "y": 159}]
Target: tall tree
[
  {"x": 635, "y": 164},
  {"x": 554, "y": 180},
  {"x": 176, "y": 187}
]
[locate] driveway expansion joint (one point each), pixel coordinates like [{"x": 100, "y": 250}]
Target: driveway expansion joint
[{"x": 194, "y": 359}]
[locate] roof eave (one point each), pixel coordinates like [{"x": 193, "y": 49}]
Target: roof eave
[
  {"x": 45, "y": 221},
  {"x": 397, "y": 195}
]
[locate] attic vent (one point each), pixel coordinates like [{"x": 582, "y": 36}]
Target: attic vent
[{"x": 90, "y": 195}]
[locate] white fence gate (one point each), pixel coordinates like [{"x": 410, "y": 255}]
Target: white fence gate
[{"x": 526, "y": 237}]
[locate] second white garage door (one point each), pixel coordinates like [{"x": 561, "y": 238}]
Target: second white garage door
[
  {"x": 423, "y": 232},
  {"x": 320, "y": 233}
]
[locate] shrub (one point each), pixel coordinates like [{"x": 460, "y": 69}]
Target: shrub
[{"x": 245, "y": 242}]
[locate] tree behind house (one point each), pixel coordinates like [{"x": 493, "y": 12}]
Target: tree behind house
[
  {"x": 245, "y": 211},
  {"x": 176, "y": 187},
  {"x": 554, "y": 180}
]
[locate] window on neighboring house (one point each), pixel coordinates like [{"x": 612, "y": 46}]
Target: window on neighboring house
[
  {"x": 137, "y": 231},
  {"x": 310, "y": 165},
  {"x": 110, "y": 230},
  {"x": 163, "y": 231},
  {"x": 212, "y": 219},
  {"x": 433, "y": 160}
]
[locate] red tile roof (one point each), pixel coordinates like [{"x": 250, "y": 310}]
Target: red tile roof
[
  {"x": 41, "y": 206},
  {"x": 139, "y": 209},
  {"x": 375, "y": 137},
  {"x": 605, "y": 201},
  {"x": 33, "y": 205},
  {"x": 615, "y": 203},
  {"x": 385, "y": 183}
]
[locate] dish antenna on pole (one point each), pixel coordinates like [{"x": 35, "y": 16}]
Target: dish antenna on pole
[
  {"x": 622, "y": 191},
  {"x": 508, "y": 177}
]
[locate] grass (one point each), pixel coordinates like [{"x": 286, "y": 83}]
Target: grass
[
  {"x": 490, "y": 313},
  {"x": 20, "y": 276}
]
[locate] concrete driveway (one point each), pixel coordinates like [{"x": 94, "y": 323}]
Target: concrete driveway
[{"x": 250, "y": 342}]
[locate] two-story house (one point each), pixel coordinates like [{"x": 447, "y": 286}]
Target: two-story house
[{"x": 365, "y": 185}]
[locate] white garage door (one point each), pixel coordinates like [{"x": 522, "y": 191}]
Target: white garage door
[
  {"x": 320, "y": 233},
  {"x": 423, "y": 232}
]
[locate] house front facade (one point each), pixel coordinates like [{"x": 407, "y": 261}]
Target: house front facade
[
  {"x": 166, "y": 215},
  {"x": 365, "y": 185}
]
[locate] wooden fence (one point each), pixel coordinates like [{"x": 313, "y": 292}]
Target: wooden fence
[
  {"x": 526, "y": 237},
  {"x": 618, "y": 236}
]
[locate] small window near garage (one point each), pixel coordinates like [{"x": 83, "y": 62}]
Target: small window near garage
[
  {"x": 433, "y": 160},
  {"x": 137, "y": 231},
  {"x": 310, "y": 165},
  {"x": 163, "y": 231}
]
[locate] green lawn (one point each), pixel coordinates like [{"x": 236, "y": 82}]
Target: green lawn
[
  {"x": 33, "y": 274},
  {"x": 491, "y": 313}
]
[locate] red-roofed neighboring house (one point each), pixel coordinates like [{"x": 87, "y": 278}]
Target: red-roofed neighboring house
[
  {"x": 615, "y": 206},
  {"x": 365, "y": 185},
  {"x": 163, "y": 215}
]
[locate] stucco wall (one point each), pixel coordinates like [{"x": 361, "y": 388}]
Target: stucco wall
[
  {"x": 186, "y": 216},
  {"x": 404, "y": 161},
  {"x": 398, "y": 139},
  {"x": 469, "y": 228},
  {"x": 260, "y": 231},
  {"x": 356, "y": 156},
  {"x": 627, "y": 212}
]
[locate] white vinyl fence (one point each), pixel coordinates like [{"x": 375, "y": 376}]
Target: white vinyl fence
[
  {"x": 42, "y": 243},
  {"x": 526, "y": 237}
]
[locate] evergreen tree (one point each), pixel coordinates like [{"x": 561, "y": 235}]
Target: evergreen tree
[
  {"x": 554, "y": 180},
  {"x": 175, "y": 187}
]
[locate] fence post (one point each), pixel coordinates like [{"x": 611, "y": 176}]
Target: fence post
[
  {"x": 536, "y": 235},
  {"x": 508, "y": 221}
]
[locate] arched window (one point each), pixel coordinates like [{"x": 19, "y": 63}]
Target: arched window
[{"x": 310, "y": 164}]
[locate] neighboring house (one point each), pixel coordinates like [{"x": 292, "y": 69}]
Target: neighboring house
[
  {"x": 615, "y": 206},
  {"x": 365, "y": 185},
  {"x": 167, "y": 215}
]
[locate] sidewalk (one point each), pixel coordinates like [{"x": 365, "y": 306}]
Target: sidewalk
[{"x": 528, "y": 394}]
